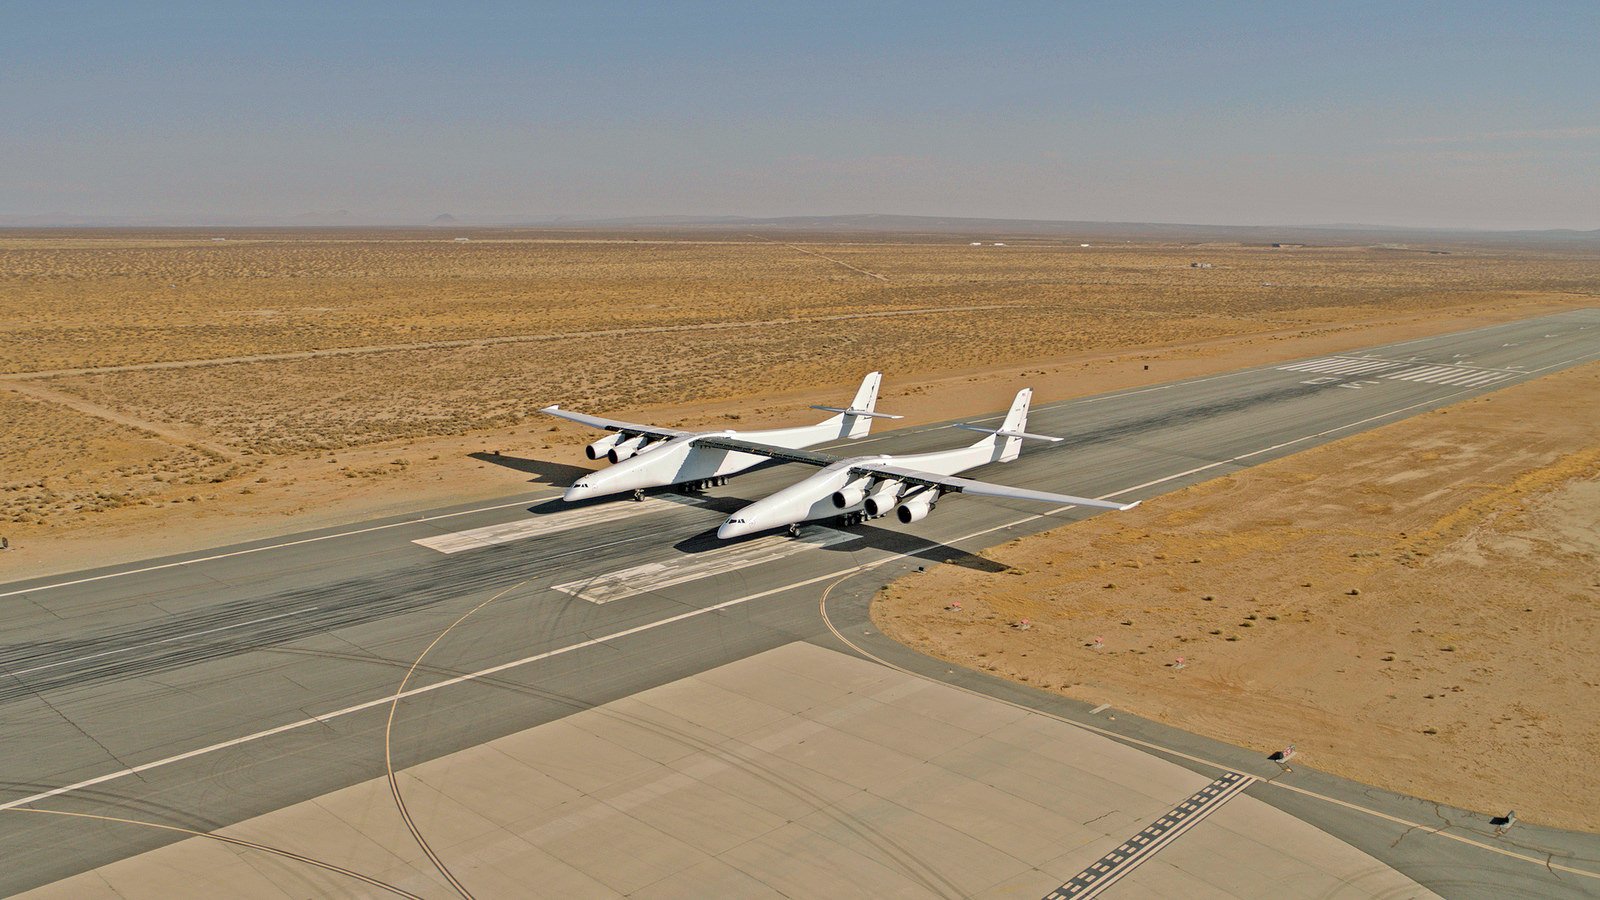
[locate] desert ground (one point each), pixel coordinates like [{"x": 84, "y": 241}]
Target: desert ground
[
  {"x": 1415, "y": 607},
  {"x": 166, "y": 390}
]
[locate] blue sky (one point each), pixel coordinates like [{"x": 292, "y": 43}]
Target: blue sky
[{"x": 1448, "y": 114}]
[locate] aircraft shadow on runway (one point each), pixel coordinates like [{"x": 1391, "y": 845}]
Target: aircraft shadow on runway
[{"x": 544, "y": 471}]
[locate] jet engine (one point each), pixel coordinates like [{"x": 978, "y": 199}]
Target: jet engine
[
  {"x": 852, "y": 493},
  {"x": 917, "y": 507},
  {"x": 884, "y": 497},
  {"x": 599, "y": 448},
  {"x": 624, "y": 449}
]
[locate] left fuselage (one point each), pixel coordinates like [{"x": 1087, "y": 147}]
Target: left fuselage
[{"x": 680, "y": 460}]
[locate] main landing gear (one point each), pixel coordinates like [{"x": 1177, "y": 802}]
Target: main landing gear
[{"x": 695, "y": 487}]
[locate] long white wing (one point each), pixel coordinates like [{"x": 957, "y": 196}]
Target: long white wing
[
  {"x": 952, "y": 484},
  {"x": 612, "y": 424},
  {"x": 786, "y": 454}
]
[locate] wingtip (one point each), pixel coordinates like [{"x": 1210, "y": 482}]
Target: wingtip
[
  {"x": 1128, "y": 506},
  {"x": 551, "y": 408}
]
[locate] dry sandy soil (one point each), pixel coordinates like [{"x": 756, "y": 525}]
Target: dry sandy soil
[
  {"x": 1416, "y": 607},
  {"x": 164, "y": 391}
]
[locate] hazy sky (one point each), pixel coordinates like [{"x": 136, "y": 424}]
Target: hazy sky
[{"x": 1448, "y": 114}]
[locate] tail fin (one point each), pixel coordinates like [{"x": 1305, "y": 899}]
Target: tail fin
[
  {"x": 1007, "y": 439},
  {"x": 1016, "y": 423},
  {"x": 856, "y": 419}
]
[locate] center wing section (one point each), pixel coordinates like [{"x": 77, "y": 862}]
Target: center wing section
[
  {"x": 951, "y": 484},
  {"x": 628, "y": 428},
  {"x": 722, "y": 442}
]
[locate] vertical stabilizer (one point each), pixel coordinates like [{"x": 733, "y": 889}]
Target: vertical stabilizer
[
  {"x": 1016, "y": 423},
  {"x": 866, "y": 400}
]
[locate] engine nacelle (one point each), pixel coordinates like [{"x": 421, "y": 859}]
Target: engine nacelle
[
  {"x": 917, "y": 507},
  {"x": 600, "y": 447},
  {"x": 625, "y": 449},
  {"x": 852, "y": 493},
  {"x": 883, "y": 498}
]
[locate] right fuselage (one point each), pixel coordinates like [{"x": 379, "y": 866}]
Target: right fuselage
[{"x": 814, "y": 498}]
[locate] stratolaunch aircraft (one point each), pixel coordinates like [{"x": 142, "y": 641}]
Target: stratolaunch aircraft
[
  {"x": 644, "y": 456},
  {"x": 869, "y": 486}
]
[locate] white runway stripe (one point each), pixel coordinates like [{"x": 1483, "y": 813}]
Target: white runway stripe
[
  {"x": 1341, "y": 365},
  {"x": 548, "y": 523},
  {"x": 1455, "y": 376},
  {"x": 655, "y": 576}
]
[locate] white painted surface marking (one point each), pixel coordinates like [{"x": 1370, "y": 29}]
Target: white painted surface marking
[
  {"x": 1453, "y": 376},
  {"x": 655, "y": 576},
  {"x": 548, "y": 523},
  {"x": 1342, "y": 365},
  {"x": 1099, "y": 709}
]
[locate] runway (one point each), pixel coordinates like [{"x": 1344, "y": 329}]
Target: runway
[{"x": 205, "y": 689}]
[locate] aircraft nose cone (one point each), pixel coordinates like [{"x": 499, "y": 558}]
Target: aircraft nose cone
[
  {"x": 579, "y": 491},
  {"x": 732, "y": 529}
]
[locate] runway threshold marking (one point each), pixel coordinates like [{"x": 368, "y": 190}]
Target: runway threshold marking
[
  {"x": 1116, "y": 865},
  {"x": 1458, "y": 375},
  {"x": 1342, "y": 365},
  {"x": 549, "y": 523},
  {"x": 806, "y": 582},
  {"x": 654, "y": 576}
]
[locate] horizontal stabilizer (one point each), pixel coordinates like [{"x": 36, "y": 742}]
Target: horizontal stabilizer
[
  {"x": 1009, "y": 434},
  {"x": 857, "y": 412}
]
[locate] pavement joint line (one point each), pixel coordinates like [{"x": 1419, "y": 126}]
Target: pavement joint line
[
  {"x": 726, "y": 604},
  {"x": 1051, "y": 406}
]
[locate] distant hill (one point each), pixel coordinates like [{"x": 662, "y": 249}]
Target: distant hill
[{"x": 445, "y": 219}]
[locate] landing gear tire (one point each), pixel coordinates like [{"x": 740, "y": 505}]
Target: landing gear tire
[
  {"x": 794, "y": 531},
  {"x": 638, "y": 495}
]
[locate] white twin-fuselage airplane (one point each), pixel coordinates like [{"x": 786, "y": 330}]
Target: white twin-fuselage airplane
[
  {"x": 644, "y": 456},
  {"x": 869, "y": 486},
  {"x": 850, "y": 488}
]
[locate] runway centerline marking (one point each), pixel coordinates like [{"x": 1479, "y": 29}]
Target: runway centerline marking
[
  {"x": 654, "y": 576},
  {"x": 737, "y": 601},
  {"x": 1111, "y": 868},
  {"x": 539, "y": 525}
]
